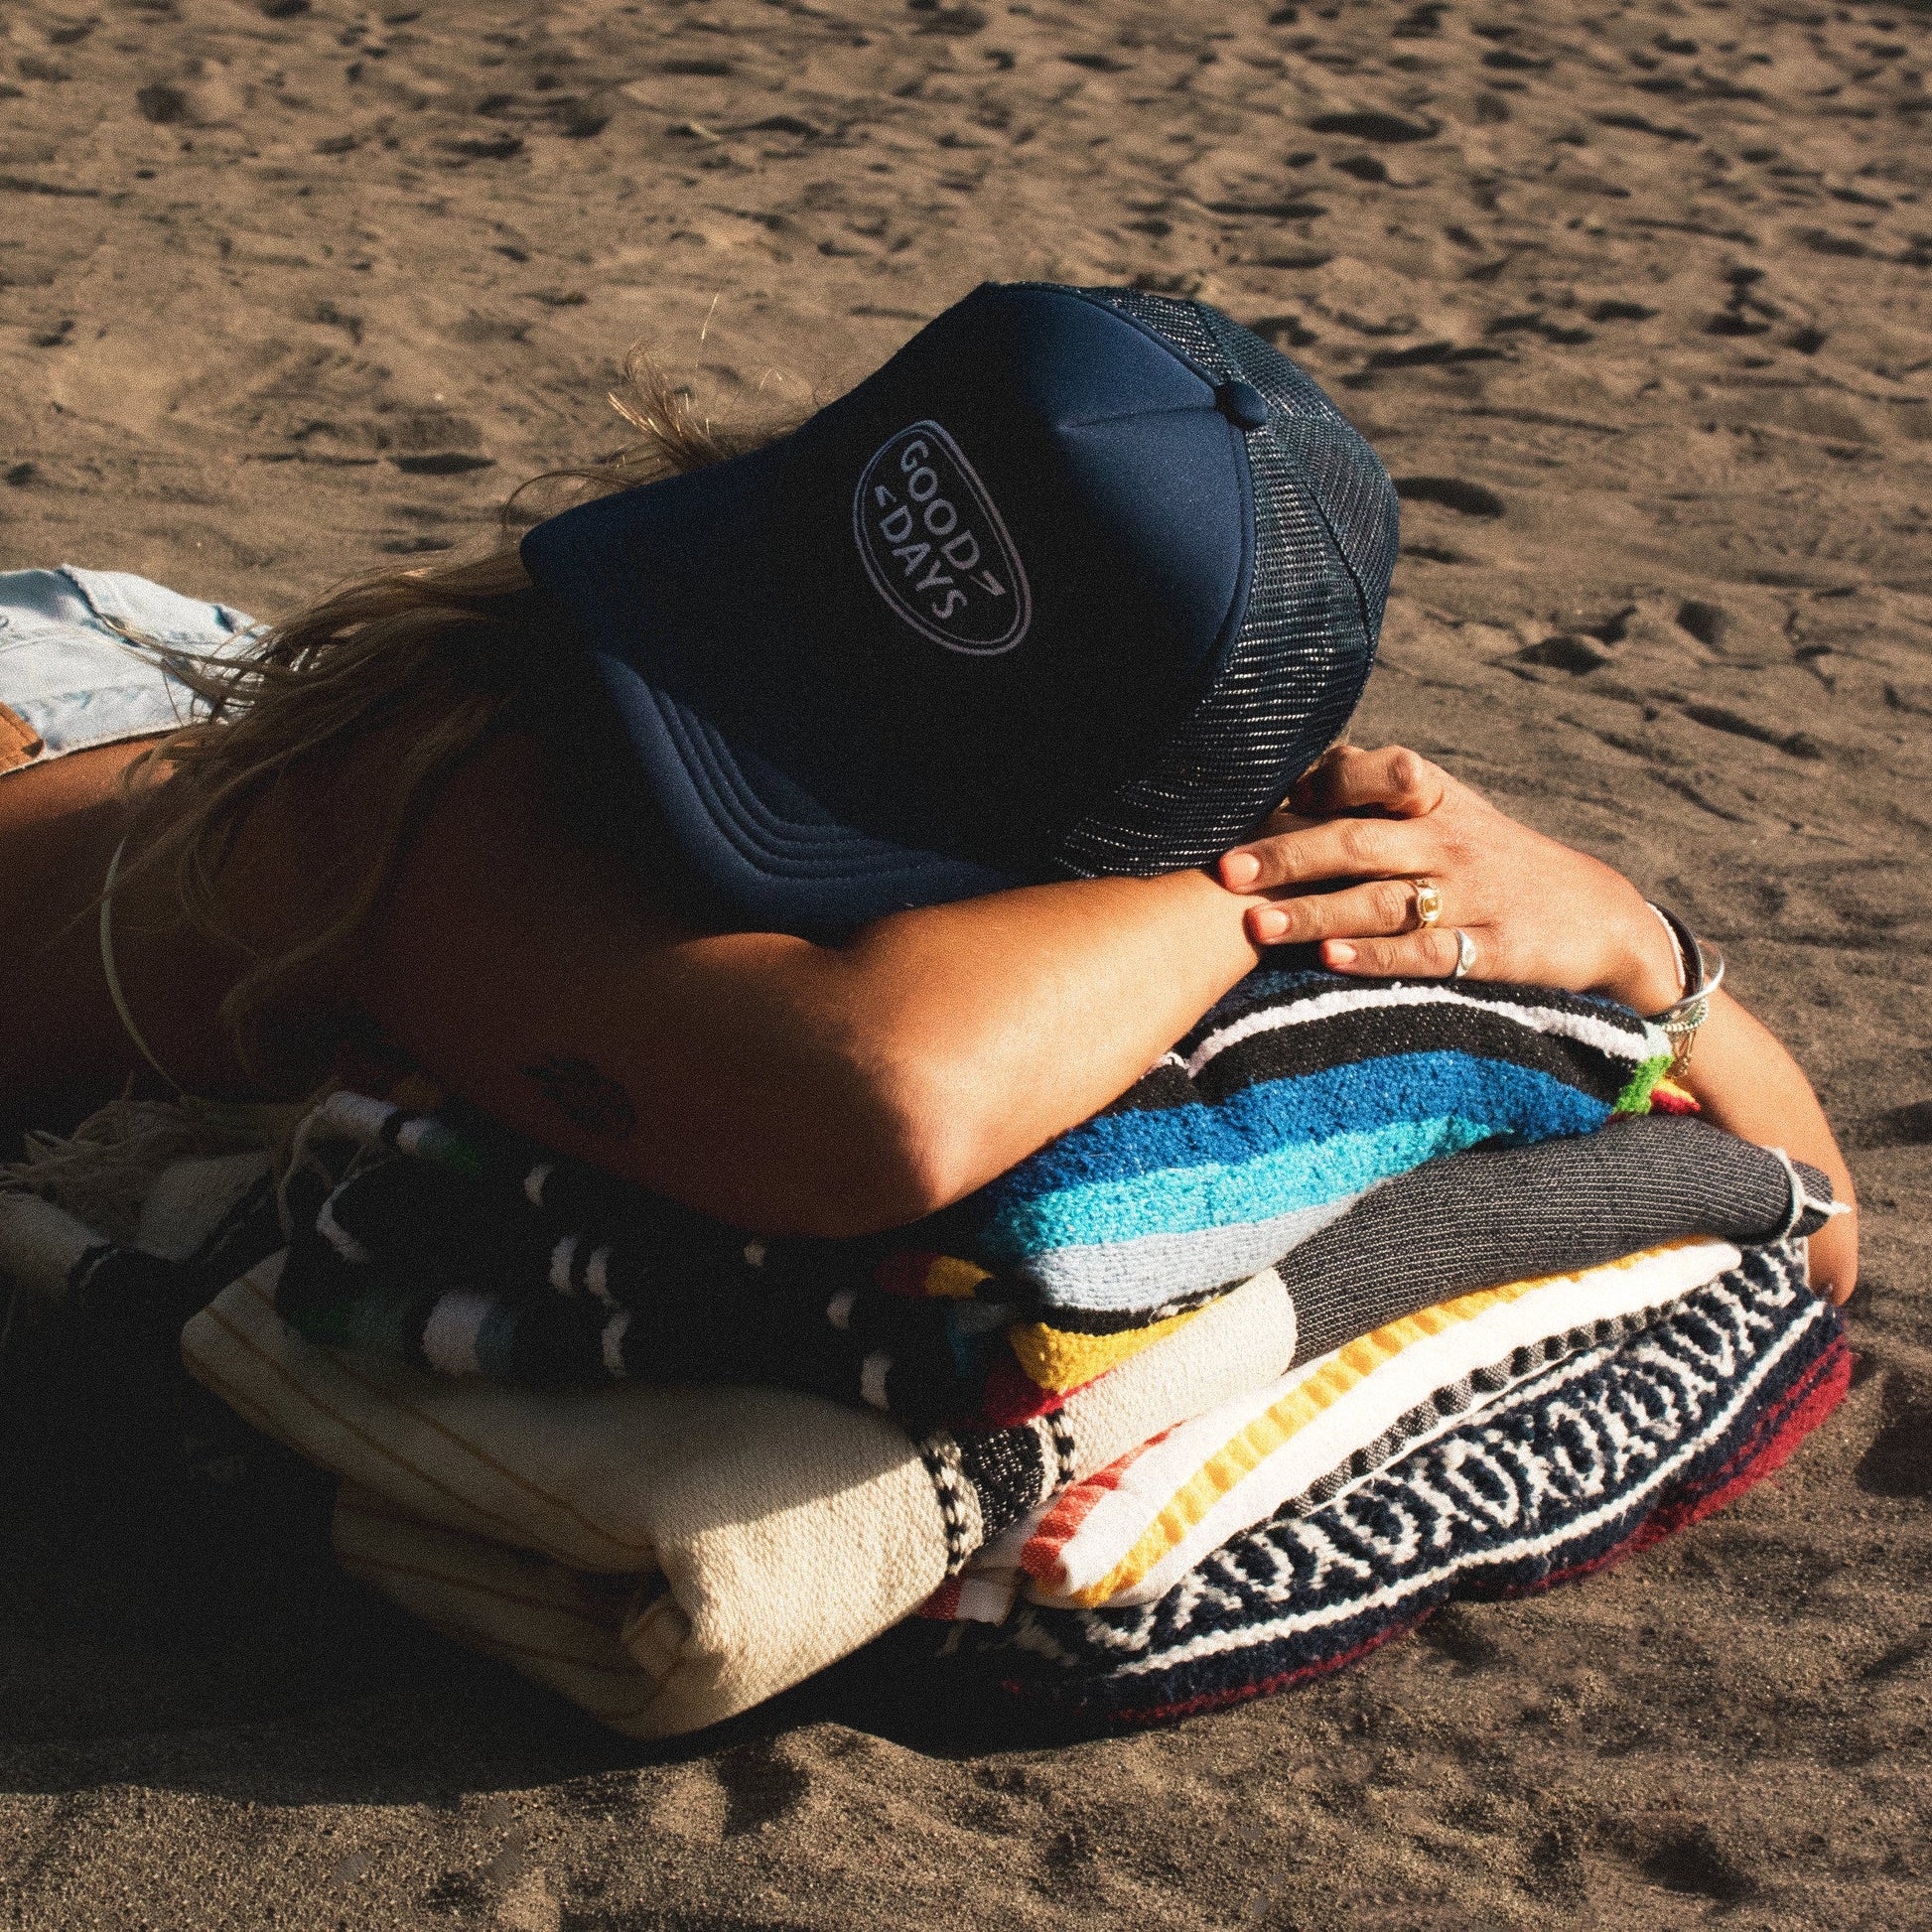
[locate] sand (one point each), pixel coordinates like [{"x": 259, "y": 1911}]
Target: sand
[{"x": 1635, "y": 300}]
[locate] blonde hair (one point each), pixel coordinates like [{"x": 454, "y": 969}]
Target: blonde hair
[{"x": 431, "y": 655}]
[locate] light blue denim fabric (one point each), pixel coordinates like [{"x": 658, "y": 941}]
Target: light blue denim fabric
[{"x": 68, "y": 672}]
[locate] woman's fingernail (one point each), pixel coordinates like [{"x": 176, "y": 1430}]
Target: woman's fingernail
[
  {"x": 1341, "y": 955},
  {"x": 1240, "y": 868},
  {"x": 1270, "y": 923}
]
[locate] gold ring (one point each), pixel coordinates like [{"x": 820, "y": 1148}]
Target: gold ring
[{"x": 1429, "y": 904}]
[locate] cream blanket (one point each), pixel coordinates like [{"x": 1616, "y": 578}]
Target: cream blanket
[{"x": 667, "y": 1558}]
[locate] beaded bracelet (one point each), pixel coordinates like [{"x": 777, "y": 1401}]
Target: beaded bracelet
[{"x": 1703, "y": 971}]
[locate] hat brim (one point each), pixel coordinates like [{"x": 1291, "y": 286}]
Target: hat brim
[{"x": 781, "y": 860}]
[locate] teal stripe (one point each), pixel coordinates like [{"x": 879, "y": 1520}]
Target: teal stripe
[
  {"x": 1214, "y": 1195},
  {"x": 1333, "y": 1101}
]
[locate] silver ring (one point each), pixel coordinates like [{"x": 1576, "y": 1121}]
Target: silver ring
[{"x": 1466, "y": 955}]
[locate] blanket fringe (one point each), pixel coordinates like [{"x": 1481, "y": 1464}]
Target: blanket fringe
[{"x": 100, "y": 1172}]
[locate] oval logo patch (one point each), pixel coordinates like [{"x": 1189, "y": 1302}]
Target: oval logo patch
[{"x": 935, "y": 548}]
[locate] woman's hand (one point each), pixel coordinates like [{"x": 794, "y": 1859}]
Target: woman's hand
[
  {"x": 1362, "y": 827},
  {"x": 1341, "y": 860}
]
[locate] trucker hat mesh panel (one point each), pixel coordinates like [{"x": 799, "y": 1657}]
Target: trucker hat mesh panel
[{"x": 1325, "y": 518}]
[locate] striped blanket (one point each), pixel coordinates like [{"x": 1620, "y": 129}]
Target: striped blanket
[
  {"x": 1567, "y": 1471},
  {"x": 1299, "y": 1096},
  {"x": 1292, "y": 1099},
  {"x": 668, "y": 1556},
  {"x": 1128, "y": 1533}
]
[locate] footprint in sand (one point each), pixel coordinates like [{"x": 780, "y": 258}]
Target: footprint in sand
[
  {"x": 1451, "y": 493},
  {"x": 1375, "y": 125},
  {"x": 1708, "y": 624},
  {"x": 1899, "y": 1460}
]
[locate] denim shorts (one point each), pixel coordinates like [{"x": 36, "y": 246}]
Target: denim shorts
[{"x": 69, "y": 680}]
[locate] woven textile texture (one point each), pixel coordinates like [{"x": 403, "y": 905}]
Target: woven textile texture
[
  {"x": 1128, "y": 1534},
  {"x": 1293, "y": 1097},
  {"x": 1569, "y": 1470},
  {"x": 1297, "y": 1097},
  {"x": 707, "y": 1546},
  {"x": 1541, "y": 1210}
]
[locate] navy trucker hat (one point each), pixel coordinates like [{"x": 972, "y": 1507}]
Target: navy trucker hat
[{"x": 1078, "y": 582}]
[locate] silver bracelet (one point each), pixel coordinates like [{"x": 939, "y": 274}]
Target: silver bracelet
[{"x": 1703, "y": 973}]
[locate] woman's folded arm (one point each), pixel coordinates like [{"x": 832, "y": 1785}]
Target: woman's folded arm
[
  {"x": 1745, "y": 1082},
  {"x": 779, "y": 1084},
  {"x": 836, "y": 1089}
]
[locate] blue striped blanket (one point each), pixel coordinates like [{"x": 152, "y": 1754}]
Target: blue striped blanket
[{"x": 1296, "y": 1095}]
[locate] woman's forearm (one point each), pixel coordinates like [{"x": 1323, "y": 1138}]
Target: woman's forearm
[
  {"x": 1745, "y": 1082},
  {"x": 836, "y": 1090},
  {"x": 1005, "y": 1021},
  {"x": 783, "y": 1085}
]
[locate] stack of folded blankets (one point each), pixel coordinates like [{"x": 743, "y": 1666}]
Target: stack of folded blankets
[{"x": 1369, "y": 1295}]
